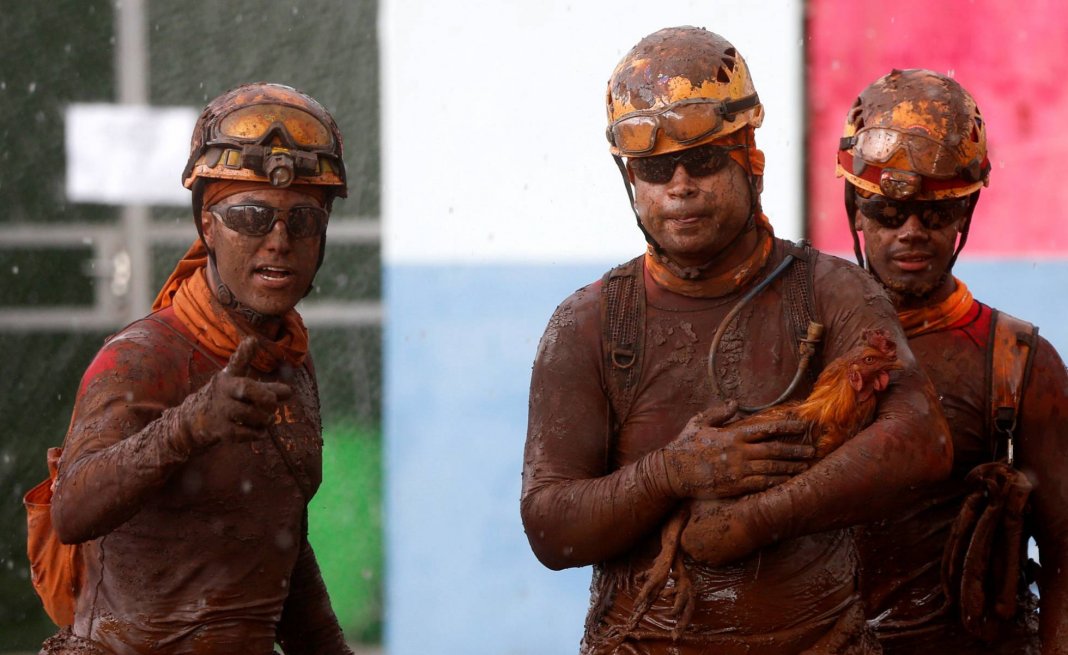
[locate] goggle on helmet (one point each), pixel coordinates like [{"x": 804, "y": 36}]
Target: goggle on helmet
[
  {"x": 915, "y": 134},
  {"x": 267, "y": 133},
  {"x": 678, "y": 88}
]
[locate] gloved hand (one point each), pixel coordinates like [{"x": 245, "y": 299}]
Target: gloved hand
[
  {"x": 710, "y": 462},
  {"x": 231, "y": 405}
]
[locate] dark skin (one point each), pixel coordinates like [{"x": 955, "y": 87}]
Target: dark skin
[
  {"x": 270, "y": 274},
  {"x": 695, "y": 219},
  {"x": 194, "y": 458},
  {"x": 910, "y": 261}
]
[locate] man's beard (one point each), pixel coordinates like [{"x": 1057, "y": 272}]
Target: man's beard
[{"x": 911, "y": 295}]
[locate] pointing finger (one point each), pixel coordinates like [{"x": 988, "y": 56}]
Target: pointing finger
[{"x": 238, "y": 365}]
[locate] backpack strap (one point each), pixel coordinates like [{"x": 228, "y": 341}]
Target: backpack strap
[
  {"x": 623, "y": 321},
  {"x": 799, "y": 298},
  {"x": 622, "y": 334},
  {"x": 1010, "y": 355}
]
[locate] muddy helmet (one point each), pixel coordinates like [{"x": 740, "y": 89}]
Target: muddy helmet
[
  {"x": 269, "y": 133},
  {"x": 678, "y": 88},
  {"x": 915, "y": 135}
]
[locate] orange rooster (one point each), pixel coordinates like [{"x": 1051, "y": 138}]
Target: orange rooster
[{"x": 842, "y": 402}]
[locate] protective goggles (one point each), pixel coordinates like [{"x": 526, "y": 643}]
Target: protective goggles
[
  {"x": 698, "y": 162},
  {"x": 258, "y": 220},
  {"x": 260, "y": 124},
  {"x": 685, "y": 121},
  {"x": 926, "y": 156},
  {"x": 933, "y": 214}
]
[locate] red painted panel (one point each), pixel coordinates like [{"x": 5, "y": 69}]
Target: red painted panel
[{"x": 1012, "y": 56}]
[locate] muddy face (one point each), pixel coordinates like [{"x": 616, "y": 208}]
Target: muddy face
[
  {"x": 912, "y": 261},
  {"x": 694, "y": 218},
  {"x": 269, "y": 273}
]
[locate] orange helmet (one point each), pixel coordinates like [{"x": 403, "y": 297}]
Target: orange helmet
[
  {"x": 678, "y": 88},
  {"x": 915, "y": 134},
  {"x": 267, "y": 133}
]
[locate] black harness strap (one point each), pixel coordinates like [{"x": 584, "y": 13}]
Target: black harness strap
[
  {"x": 622, "y": 334},
  {"x": 623, "y": 322}
]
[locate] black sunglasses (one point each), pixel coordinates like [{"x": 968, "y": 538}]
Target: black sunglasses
[
  {"x": 258, "y": 220},
  {"x": 698, "y": 162},
  {"x": 933, "y": 214}
]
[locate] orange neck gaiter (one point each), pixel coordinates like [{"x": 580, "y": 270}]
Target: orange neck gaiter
[
  {"x": 217, "y": 329},
  {"x": 938, "y": 317},
  {"x": 719, "y": 285}
]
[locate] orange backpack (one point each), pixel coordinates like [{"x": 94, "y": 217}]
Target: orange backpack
[{"x": 55, "y": 567}]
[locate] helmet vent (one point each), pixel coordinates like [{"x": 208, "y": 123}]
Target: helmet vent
[
  {"x": 730, "y": 52},
  {"x": 723, "y": 75}
]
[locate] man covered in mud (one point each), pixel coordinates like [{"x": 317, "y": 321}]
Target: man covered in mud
[
  {"x": 944, "y": 575},
  {"x": 627, "y": 424},
  {"x": 195, "y": 444}
]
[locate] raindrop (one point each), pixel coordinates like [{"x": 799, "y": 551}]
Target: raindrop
[
  {"x": 246, "y": 486},
  {"x": 3, "y": 85},
  {"x": 129, "y": 396},
  {"x": 33, "y": 87},
  {"x": 15, "y": 269},
  {"x": 239, "y": 18},
  {"x": 951, "y": 73},
  {"x": 295, "y": 10},
  {"x": 111, "y": 41},
  {"x": 87, "y": 241},
  {"x": 367, "y": 574},
  {"x": 66, "y": 48},
  {"x": 835, "y": 64}
]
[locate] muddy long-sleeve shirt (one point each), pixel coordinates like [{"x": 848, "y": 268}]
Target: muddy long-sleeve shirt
[
  {"x": 595, "y": 495},
  {"x": 202, "y": 554},
  {"x": 901, "y": 555}
]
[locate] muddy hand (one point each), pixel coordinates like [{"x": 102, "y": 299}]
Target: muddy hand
[
  {"x": 232, "y": 405},
  {"x": 708, "y": 462}
]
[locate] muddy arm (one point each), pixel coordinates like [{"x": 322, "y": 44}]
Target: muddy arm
[
  {"x": 869, "y": 477},
  {"x": 1042, "y": 451},
  {"x": 308, "y": 624},
  {"x": 575, "y": 509},
  {"x": 123, "y": 442}
]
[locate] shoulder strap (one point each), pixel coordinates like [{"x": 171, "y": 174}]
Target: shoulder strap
[
  {"x": 797, "y": 291},
  {"x": 622, "y": 334},
  {"x": 1011, "y": 353}
]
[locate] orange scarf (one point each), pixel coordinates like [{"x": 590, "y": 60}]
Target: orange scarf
[
  {"x": 217, "y": 329},
  {"x": 940, "y": 316},
  {"x": 720, "y": 285}
]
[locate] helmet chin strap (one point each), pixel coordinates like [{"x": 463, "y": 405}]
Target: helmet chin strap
[{"x": 228, "y": 300}]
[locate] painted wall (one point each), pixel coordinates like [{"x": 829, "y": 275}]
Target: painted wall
[{"x": 499, "y": 200}]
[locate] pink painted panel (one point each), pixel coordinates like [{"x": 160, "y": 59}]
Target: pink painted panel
[{"x": 1012, "y": 56}]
